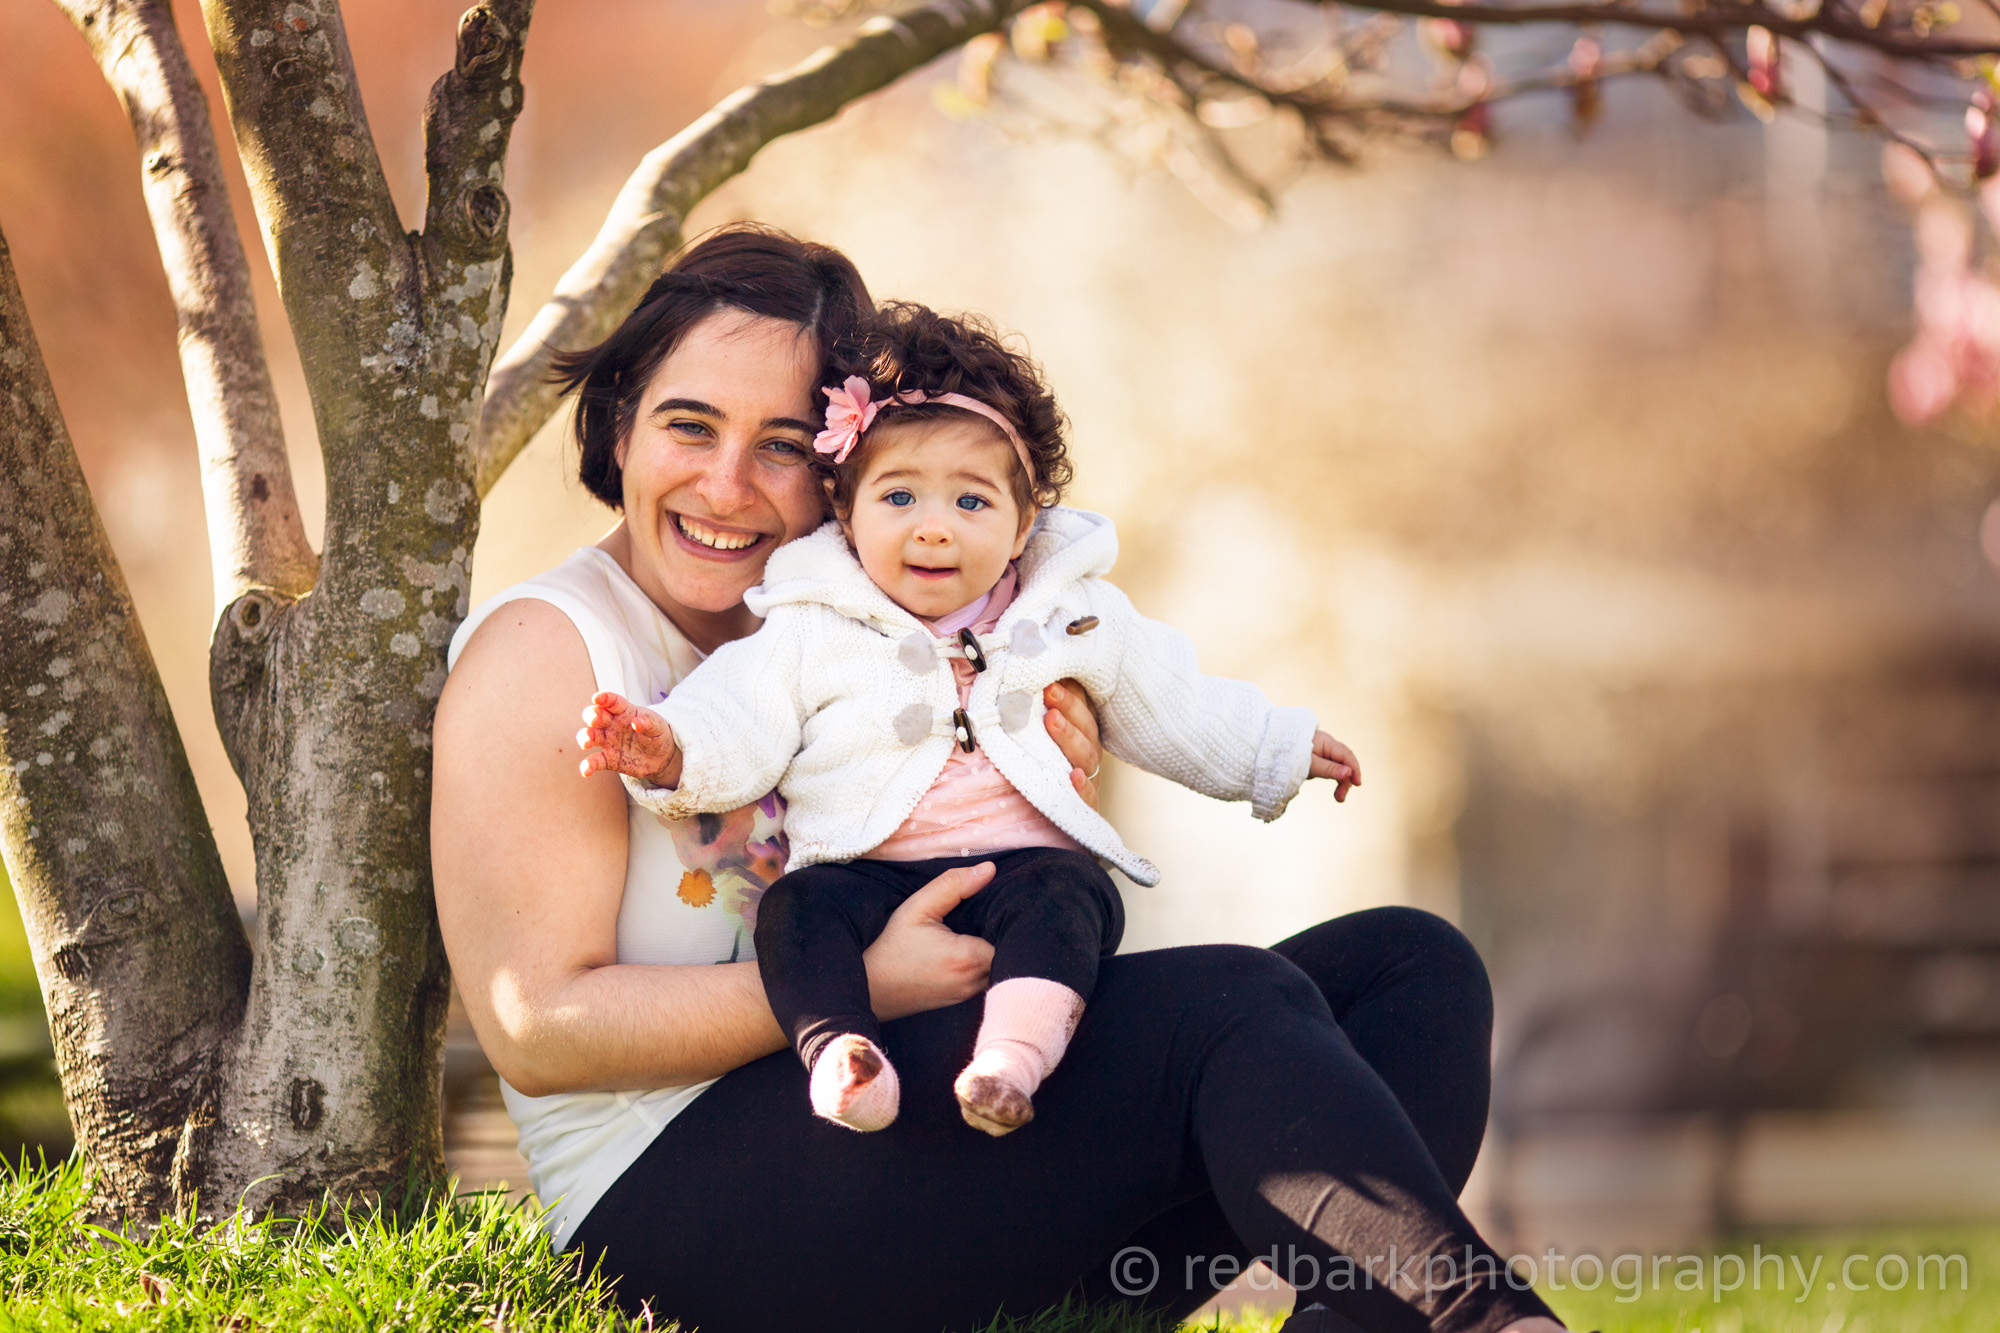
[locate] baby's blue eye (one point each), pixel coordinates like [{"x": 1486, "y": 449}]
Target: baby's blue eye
[
  {"x": 900, "y": 499},
  {"x": 973, "y": 503}
]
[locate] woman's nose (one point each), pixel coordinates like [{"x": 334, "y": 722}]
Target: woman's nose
[{"x": 725, "y": 482}]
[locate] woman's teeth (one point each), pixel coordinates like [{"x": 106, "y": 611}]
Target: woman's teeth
[{"x": 714, "y": 538}]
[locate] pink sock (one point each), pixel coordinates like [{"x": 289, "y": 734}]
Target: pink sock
[
  {"x": 1022, "y": 1038},
  {"x": 854, "y": 1084}
]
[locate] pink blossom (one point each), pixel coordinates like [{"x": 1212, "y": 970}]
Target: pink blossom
[
  {"x": 1954, "y": 356},
  {"x": 1766, "y": 64}
]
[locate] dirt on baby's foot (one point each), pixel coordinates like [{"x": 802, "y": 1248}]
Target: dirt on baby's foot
[
  {"x": 853, "y": 1084},
  {"x": 992, "y": 1104}
]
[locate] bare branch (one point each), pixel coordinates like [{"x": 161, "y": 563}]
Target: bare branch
[
  {"x": 141, "y": 958},
  {"x": 644, "y": 225},
  {"x": 255, "y": 533},
  {"x": 467, "y": 125},
  {"x": 323, "y": 204},
  {"x": 468, "y": 266},
  {"x": 1865, "y": 112},
  {"x": 1830, "y": 21},
  {"x": 1122, "y": 29}
]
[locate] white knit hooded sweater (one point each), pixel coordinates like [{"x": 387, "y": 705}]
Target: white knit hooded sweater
[{"x": 844, "y": 702}]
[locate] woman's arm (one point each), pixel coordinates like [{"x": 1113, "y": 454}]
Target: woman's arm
[{"x": 529, "y": 864}]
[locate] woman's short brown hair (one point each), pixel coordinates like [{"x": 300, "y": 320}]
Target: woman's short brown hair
[
  {"x": 756, "y": 269},
  {"x": 906, "y": 346}
]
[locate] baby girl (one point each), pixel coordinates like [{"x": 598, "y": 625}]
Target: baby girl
[{"x": 891, "y": 697}]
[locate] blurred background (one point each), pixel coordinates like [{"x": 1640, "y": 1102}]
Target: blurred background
[{"x": 1561, "y": 483}]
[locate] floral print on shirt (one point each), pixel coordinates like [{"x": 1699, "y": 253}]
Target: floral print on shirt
[{"x": 732, "y": 857}]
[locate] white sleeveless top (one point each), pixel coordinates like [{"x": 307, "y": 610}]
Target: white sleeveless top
[{"x": 691, "y": 886}]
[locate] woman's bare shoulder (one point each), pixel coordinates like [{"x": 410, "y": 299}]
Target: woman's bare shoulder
[
  {"x": 527, "y": 648},
  {"x": 515, "y": 696},
  {"x": 524, "y": 625}
]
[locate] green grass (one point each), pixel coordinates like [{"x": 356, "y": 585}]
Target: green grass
[{"x": 473, "y": 1262}]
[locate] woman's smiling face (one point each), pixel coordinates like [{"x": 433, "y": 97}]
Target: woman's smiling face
[{"x": 715, "y": 470}]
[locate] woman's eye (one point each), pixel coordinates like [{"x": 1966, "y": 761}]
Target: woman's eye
[
  {"x": 900, "y": 499},
  {"x": 785, "y": 448},
  {"x": 694, "y": 428},
  {"x": 973, "y": 503}
]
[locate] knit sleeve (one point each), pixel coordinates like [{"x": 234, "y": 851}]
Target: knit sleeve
[
  {"x": 1219, "y": 737},
  {"x": 738, "y": 718}
]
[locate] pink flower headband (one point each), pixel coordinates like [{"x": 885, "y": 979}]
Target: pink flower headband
[{"x": 849, "y": 412}]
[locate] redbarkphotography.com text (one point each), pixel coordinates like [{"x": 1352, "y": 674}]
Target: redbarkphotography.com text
[{"x": 1137, "y": 1271}]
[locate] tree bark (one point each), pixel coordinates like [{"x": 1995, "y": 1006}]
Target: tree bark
[
  {"x": 644, "y": 226},
  {"x": 255, "y": 534},
  {"x": 142, "y": 961}
]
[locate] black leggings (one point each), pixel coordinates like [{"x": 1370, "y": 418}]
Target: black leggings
[
  {"x": 1047, "y": 912},
  {"x": 1210, "y": 1110}
]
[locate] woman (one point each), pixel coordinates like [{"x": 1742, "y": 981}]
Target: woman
[{"x": 1323, "y": 1101}]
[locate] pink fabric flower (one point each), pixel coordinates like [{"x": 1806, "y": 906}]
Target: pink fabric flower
[{"x": 848, "y": 413}]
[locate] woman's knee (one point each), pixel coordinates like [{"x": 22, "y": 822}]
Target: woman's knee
[
  {"x": 1353, "y": 954},
  {"x": 1424, "y": 936},
  {"x": 1238, "y": 979}
]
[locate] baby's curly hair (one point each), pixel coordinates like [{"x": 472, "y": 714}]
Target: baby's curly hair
[{"x": 906, "y": 346}]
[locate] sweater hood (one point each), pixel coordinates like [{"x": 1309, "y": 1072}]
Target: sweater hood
[{"x": 821, "y": 569}]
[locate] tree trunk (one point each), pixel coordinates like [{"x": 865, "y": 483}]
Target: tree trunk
[
  {"x": 326, "y": 703},
  {"x": 142, "y": 961}
]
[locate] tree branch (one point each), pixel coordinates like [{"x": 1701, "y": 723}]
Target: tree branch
[
  {"x": 141, "y": 958},
  {"x": 254, "y": 530},
  {"x": 467, "y": 262},
  {"x": 467, "y": 124},
  {"x": 1718, "y": 18},
  {"x": 644, "y": 225},
  {"x": 323, "y": 204}
]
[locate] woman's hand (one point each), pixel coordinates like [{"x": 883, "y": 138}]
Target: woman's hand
[
  {"x": 918, "y": 962},
  {"x": 1072, "y": 724}
]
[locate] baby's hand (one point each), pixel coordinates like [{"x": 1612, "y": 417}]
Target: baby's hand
[
  {"x": 620, "y": 736},
  {"x": 1333, "y": 760}
]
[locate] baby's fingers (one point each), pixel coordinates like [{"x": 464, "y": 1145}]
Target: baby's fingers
[
  {"x": 1329, "y": 751},
  {"x": 597, "y": 733},
  {"x": 607, "y": 704}
]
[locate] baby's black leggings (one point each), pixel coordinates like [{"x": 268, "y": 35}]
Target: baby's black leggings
[{"x": 1048, "y": 913}]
